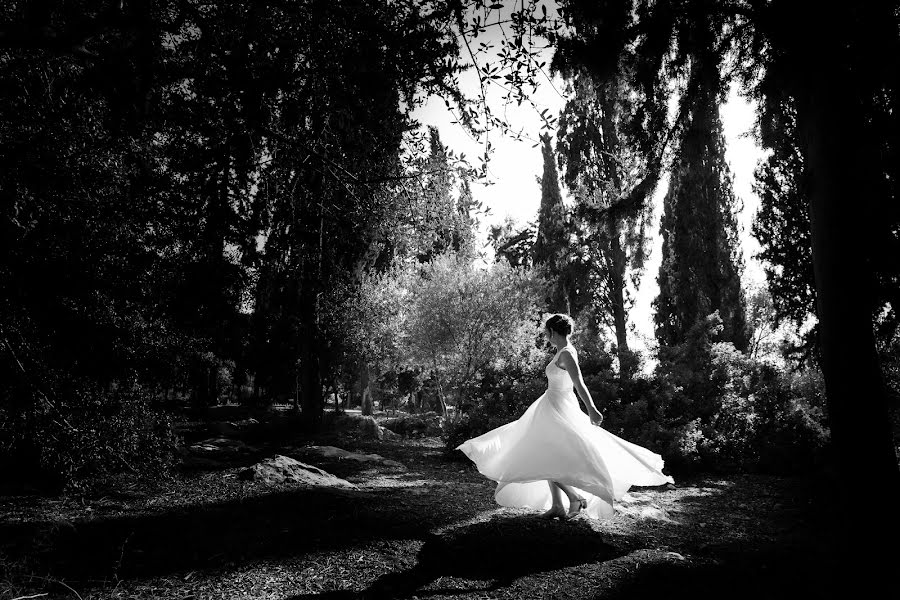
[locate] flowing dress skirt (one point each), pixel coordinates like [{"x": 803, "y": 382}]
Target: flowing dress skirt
[{"x": 554, "y": 440}]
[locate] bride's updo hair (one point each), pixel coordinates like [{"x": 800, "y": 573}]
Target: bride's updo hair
[{"x": 560, "y": 323}]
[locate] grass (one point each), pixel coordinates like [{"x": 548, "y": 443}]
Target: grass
[{"x": 431, "y": 530}]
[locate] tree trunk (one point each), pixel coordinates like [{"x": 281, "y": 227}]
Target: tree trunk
[
  {"x": 366, "y": 403},
  {"x": 441, "y": 398},
  {"x": 838, "y": 158},
  {"x": 617, "y": 260},
  {"x": 312, "y": 400}
]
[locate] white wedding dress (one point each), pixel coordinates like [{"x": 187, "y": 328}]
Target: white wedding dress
[{"x": 554, "y": 440}]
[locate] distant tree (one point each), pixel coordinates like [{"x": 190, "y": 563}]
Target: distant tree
[
  {"x": 512, "y": 243},
  {"x": 762, "y": 326},
  {"x": 701, "y": 266},
  {"x": 601, "y": 168},
  {"x": 552, "y": 245},
  {"x": 373, "y": 322},
  {"x": 462, "y": 318},
  {"x": 781, "y": 226}
]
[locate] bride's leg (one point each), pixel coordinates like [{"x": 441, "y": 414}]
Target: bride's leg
[
  {"x": 576, "y": 502},
  {"x": 556, "y": 507}
]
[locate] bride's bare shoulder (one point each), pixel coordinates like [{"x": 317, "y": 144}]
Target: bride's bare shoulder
[{"x": 568, "y": 355}]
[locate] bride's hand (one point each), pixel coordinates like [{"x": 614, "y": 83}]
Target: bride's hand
[{"x": 597, "y": 419}]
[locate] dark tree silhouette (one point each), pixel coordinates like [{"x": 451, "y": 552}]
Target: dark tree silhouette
[
  {"x": 701, "y": 263},
  {"x": 600, "y": 166},
  {"x": 552, "y": 245},
  {"x": 840, "y": 66}
]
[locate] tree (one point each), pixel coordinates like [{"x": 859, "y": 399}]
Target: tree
[
  {"x": 701, "y": 263},
  {"x": 845, "y": 83},
  {"x": 372, "y": 321},
  {"x": 461, "y": 319},
  {"x": 782, "y": 225},
  {"x": 600, "y": 168},
  {"x": 254, "y": 174},
  {"x": 552, "y": 244},
  {"x": 512, "y": 243},
  {"x": 761, "y": 323},
  {"x": 840, "y": 67}
]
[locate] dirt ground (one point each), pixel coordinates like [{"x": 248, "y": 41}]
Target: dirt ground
[{"x": 429, "y": 529}]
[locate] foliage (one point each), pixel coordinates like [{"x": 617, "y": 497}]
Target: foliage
[
  {"x": 603, "y": 169},
  {"x": 85, "y": 434},
  {"x": 552, "y": 245},
  {"x": 512, "y": 243},
  {"x": 182, "y": 183},
  {"x": 463, "y": 319},
  {"x": 501, "y": 397},
  {"x": 710, "y": 407},
  {"x": 440, "y": 222},
  {"x": 506, "y": 389},
  {"x": 762, "y": 324},
  {"x": 781, "y": 226},
  {"x": 701, "y": 262}
]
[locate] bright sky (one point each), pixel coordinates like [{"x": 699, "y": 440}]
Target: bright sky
[{"x": 514, "y": 167}]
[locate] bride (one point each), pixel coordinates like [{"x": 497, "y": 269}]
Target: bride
[{"x": 555, "y": 450}]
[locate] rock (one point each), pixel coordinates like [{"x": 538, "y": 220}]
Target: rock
[
  {"x": 219, "y": 446},
  {"x": 367, "y": 426},
  {"x": 280, "y": 469},
  {"x": 341, "y": 454},
  {"x": 414, "y": 424},
  {"x": 370, "y": 429},
  {"x": 387, "y": 434},
  {"x": 233, "y": 428},
  {"x": 214, "y": 453}
]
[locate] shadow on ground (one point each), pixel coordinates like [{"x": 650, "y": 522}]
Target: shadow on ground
[
  {"x": 737, "y": 575},
  {"x": 496, "y": 552},
  {"x": 216, "y": 535}
]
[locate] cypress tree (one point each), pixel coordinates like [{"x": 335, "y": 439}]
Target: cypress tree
[
  {"x": 552, "y": 244},
  {"x": 701, "y": 263}
]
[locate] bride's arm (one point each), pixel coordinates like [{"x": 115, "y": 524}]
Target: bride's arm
[{"x": 567, "y": 362}]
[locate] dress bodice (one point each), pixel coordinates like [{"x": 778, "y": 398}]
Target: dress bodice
[{"x": 557, "y": 378}]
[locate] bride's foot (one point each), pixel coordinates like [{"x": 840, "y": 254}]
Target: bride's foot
[
  {"x": 556, "y": 511},
  {"x": 575, "y": 507}
]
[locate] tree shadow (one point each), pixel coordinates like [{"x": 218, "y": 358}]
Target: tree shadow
[
  {"x": 496, "y": 552},
  {"x": 738, "y": 575},
  {"x": 216, "y": 535}
]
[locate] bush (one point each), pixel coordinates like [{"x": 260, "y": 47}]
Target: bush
[
  {"x": 707, "y": 407},
  {"x": 502, "y": 396},
  {"x": 88, "y": 434},
  {"x": 710, "y": 407}
]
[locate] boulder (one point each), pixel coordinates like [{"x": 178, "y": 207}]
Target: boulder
[
  {"x": 281, "y": 469},
  {"x": 213, "y": 453},
  {"x": 366, "y": 425},
  {"x": 369, "y": 428},
  {"x": 233, "y": 428},
  {"x": 341, "y": 454},
  {"x": 387, "y": 434},
  {"x": 220, "y": 446},
  {"x": 425, "y": 424}
]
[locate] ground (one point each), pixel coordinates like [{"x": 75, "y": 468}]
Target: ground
[{"x": 429, "y": 530}]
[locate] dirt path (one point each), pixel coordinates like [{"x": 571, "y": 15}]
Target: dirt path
[{"x": 430, "y": 530}]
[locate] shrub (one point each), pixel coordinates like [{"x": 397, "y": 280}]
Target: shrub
[
  {"x": 710, "y": 407},
  {"x": 85, "y": 434},
  {"x": 502, "y": 397}
]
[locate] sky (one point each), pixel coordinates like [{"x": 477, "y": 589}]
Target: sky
[{"x": 515, "y": 165}]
